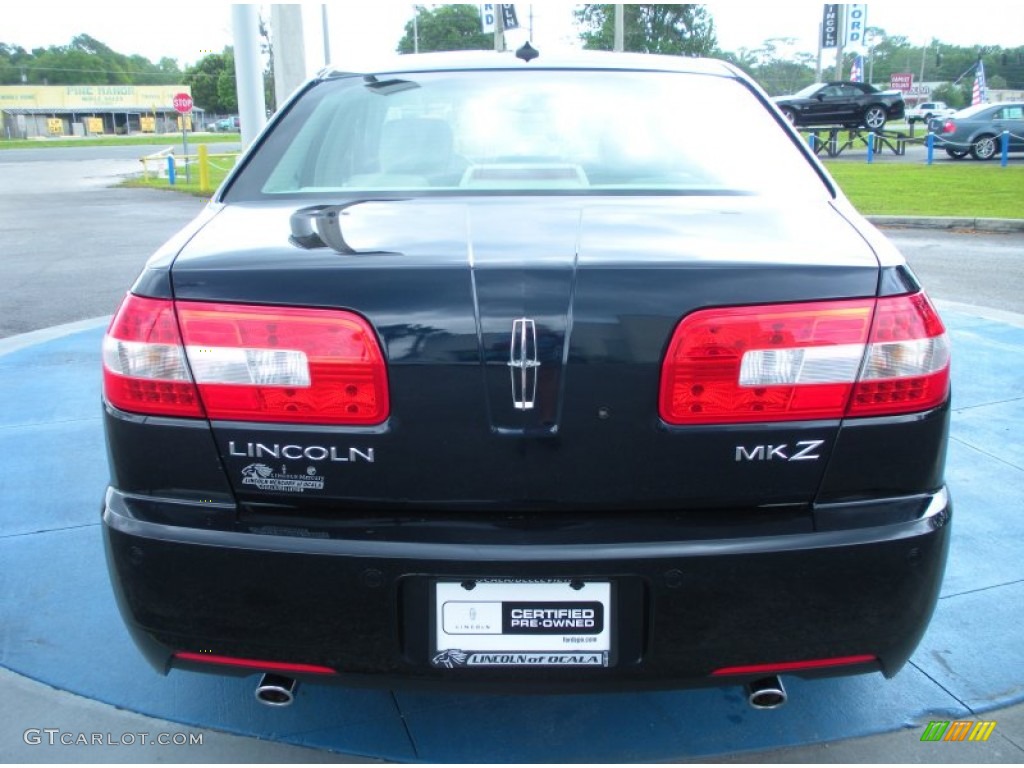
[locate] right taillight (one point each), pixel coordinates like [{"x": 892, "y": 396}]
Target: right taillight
[
  {"x": 816, "y": 360},
  {"x": 948, "y": 127},
  {"x": 245, "y": 363},
  {"x": 906, "y": 364}
]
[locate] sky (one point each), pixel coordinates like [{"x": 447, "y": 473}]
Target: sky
[{"x": 186, "y": 30}]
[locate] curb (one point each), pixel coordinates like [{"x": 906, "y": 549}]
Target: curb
[{"x": 949, "y": 222}]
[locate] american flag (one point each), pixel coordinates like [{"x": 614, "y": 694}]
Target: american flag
[
  {"x": 857, "y": 70},
  {"x": 980, "y": 93}
]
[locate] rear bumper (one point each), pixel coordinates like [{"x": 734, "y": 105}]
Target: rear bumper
[{"x": 685, "y": 610}]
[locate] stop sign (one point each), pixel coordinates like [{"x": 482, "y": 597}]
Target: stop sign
[{"x": 182, "y": 102}]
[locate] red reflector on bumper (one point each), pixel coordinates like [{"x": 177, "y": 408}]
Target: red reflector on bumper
[
  {"x": 794, "y": 666},
  {"x": 257, "y": 665}
]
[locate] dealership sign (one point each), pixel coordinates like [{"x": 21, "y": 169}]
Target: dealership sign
[
  {"x": 830, "y": 26},
  {"x": 901, "y": 81},
  {"x": 856, "y": 25}
]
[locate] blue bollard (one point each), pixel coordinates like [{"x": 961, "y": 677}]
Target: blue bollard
[
  {"x": 810, "y": 140},
  {"x": 931, "y": 146},
  {"x": 170, "y": 169},
  {"x": 1005, "y": 159},
  {"x": 871, "y": 147}
]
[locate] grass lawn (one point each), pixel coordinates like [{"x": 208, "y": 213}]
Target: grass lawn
[
  {"x": 122, "y": 141},
  {"x": 219, "y": 167},
  {"x": 969, "y": 189}
]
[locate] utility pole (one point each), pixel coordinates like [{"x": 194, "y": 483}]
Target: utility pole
[
  {"x": 817, "y": 72},
  {"x": 327, "y": 34},
  {"x": 289, "y": 52},
  {"x": 252, "y": 107},
  {"x": 620, "y": 24},
  {"x": 499, "y": 29},
  {"x": 840, "y": 41}
]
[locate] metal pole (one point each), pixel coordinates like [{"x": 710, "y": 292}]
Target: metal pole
[
  {"x": 817, "y": 73},
  {"x": 327, "y": 34},
  {"x": 184, "y": 144},
  {"x": 499, "y": 29},
  {"x": 289, "y": 49},
  {"x": 416, "y": 32},
  {"x": 252, "y": 106},
  {"x": 620, "y": 24},
  {"x": 842, "y": 39}
]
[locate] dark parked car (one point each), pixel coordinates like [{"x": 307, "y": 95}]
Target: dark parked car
[
  {"x": 842, "y": 103},
  {"x": 979, "y": 130},
  {"x": 485, "y": 374}
]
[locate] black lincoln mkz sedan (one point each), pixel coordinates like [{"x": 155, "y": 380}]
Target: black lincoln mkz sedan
[{"x": 482, "y": 373}]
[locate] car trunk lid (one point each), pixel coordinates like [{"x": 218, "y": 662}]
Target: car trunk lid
[{"x": 524, "y": 339}]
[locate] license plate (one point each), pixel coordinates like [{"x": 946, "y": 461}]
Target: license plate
[{"x": 502, "y": 623}]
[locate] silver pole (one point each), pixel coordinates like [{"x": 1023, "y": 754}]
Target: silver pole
[
  {"x": 840, "y": 41},
  {"x": 252, "y": 106},
  {"x": 327, "y": 35},
  {"x": 620, "y": 23},
  {"x": 817, "y": 73}
]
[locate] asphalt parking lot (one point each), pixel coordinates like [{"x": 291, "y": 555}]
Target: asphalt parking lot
[{"x": 72, "y": 248}]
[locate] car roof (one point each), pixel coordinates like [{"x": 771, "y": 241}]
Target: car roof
[
  {"x": 975, "y": 109},
  {"x": 476, "y": 60}
]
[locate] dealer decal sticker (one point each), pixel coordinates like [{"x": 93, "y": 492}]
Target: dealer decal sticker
[{"x": 266, "y": 479}]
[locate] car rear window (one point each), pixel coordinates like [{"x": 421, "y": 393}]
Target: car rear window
[{"x": 541, "y": 131}]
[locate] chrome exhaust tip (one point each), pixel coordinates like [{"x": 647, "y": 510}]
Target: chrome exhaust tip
[
  {"x": 276, "y": 690},
  {"x": 766, "y": 693}
]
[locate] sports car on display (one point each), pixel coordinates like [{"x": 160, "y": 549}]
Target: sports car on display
[{"x": 842, "y": 103}]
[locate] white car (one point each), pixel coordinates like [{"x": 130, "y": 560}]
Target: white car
[{"x": 926, "y": 110}]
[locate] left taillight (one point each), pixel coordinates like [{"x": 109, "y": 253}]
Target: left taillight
[
  {"x": 245, "y": 363},
  {"x": 144, "y": 368}
]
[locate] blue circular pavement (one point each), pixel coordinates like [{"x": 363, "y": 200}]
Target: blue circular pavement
[{"x": 59, "y": 623}]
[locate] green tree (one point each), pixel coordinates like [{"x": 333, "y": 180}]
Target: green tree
[
  {"x": 227, "y": 88},
  {"x": 84, "y": 61},
  {"x": 953, "y": 95},
  {"x": 686, "y": 30},
  {"x": 209, "y": 77},
  {"x": 445, "y": 28}
]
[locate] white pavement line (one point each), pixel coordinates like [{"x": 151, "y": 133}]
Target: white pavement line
[{"x": 23, "y": 340}]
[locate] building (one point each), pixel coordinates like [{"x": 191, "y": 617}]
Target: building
[{"x": 31, "y": 111}]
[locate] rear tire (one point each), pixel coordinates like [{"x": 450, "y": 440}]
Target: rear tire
[
  {"x": 984, "y": 148},
  {"x": 956, "y": 154}
]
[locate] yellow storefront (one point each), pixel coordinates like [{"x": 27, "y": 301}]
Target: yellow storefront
[{"x": 29, "y": 111}]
